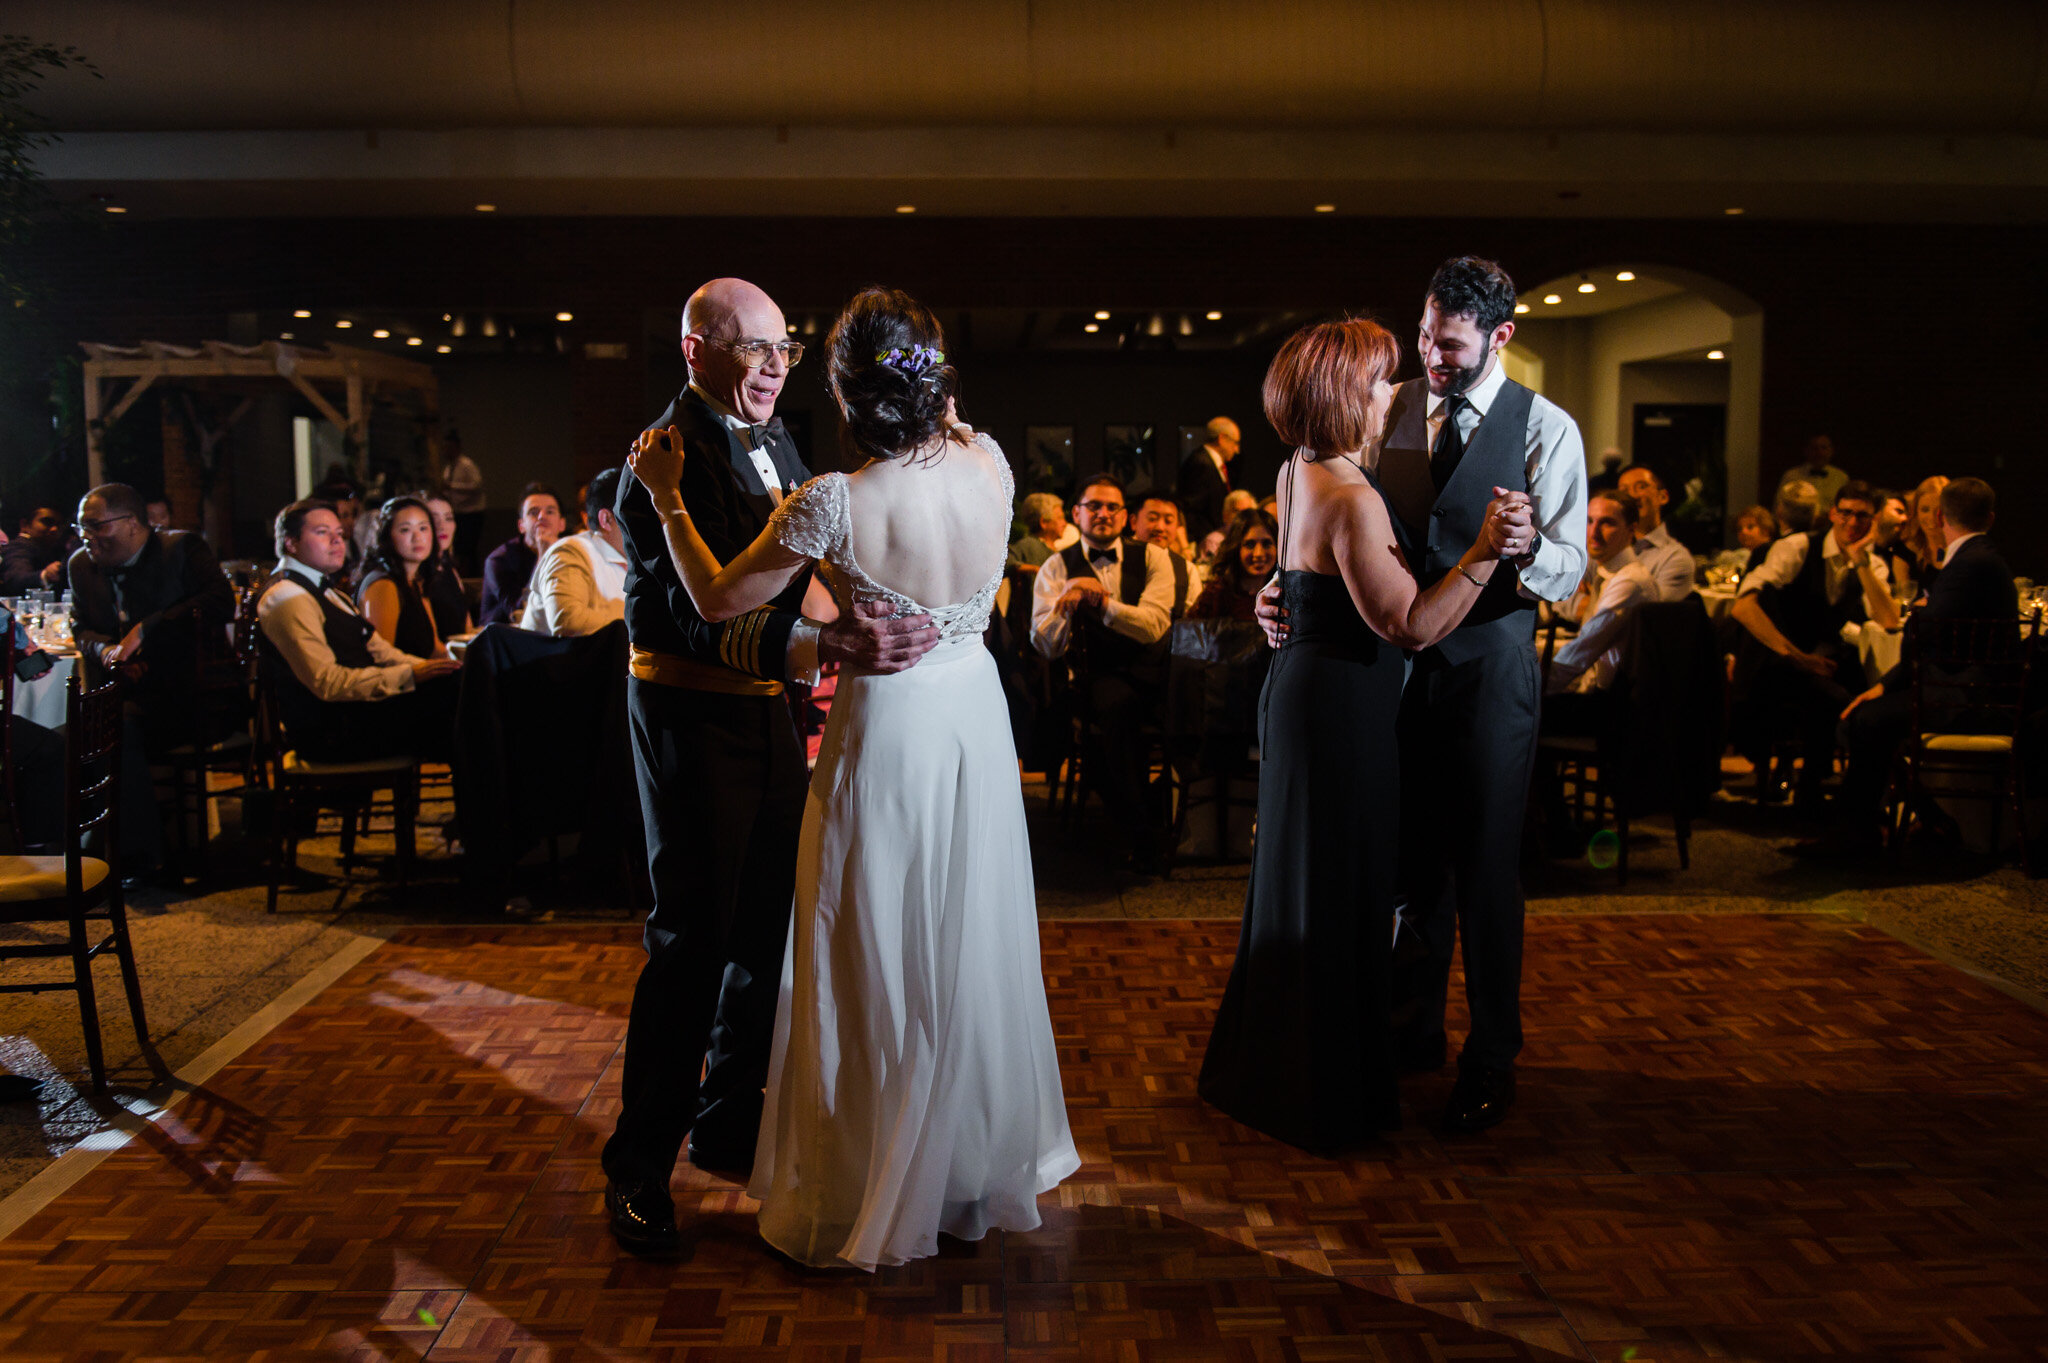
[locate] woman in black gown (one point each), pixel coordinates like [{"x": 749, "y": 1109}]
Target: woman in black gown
[{"x": 1301, "y": 1048}]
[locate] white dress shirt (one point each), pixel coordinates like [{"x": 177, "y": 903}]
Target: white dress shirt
[
  {"x": 1556, "y": 470},
  {"x": 1668, "y": 563},
  {"x": 1589, "y": 661},
  {"x": 297, "y": 628},
  {"x": 579, "y": 587},
  {"x": 1950, "y": 552},
  {"x": 1787, "y": 558},
  {"x": 801, "y": 657},
  {"x": 1146, "y": 622}
]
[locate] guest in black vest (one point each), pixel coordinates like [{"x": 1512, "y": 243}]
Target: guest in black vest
[
  {"x": 1794, "y": 673},
  {"x": 1975, "y": 584},
  {"x": 1114, "y": 598},
  {"x": 343, "y": 691},
  {"x": 1205, "y": 479},
  {"x": 721, "y": 770},
  {"x": 1456, "y": 438},
  {"x": 141, "y": 598},
  {"x": 392, "y": 593},
  {"x": 1160, "y": 521}
]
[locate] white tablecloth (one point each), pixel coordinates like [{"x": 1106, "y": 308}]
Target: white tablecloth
[
  {"x": 42, "y": 701},
  {"x": 1718, "y": 602},
  {"x": 1879, "y": 649}
]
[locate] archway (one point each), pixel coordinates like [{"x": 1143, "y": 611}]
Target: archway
[{"x": 1663, "y": 366}]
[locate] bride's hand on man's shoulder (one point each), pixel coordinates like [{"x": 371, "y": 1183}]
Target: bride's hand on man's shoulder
[{"x": 657, "y": 461}]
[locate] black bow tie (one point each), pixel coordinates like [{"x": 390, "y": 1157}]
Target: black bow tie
[
  {"x": 765, "y": 432},
  {"x": 1099, "y": 557}
]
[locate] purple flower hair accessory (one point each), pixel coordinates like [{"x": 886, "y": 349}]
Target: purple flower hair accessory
[{"x": 916, "y": 362}]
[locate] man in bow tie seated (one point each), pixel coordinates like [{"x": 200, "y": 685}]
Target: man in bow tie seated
[
  {"x": 141, "y": 597},
  {"x": 343, "y": 691},
  {"x": 1114, "y": 598}
]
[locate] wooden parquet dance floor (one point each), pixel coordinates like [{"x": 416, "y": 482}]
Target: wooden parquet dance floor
[{"x": 1738, "y": 1138}]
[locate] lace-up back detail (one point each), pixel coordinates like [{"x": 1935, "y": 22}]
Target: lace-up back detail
[{"x": 816, "y": 521}]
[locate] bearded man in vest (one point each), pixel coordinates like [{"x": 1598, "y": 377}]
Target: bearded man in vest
[
  {"x": 1456, "y": 438},
  {"x": 1114, "y": 597},
  {"x": 344, "y": 692}
]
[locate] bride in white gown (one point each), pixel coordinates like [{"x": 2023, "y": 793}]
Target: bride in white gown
[{"x": 914, "y": 1086}]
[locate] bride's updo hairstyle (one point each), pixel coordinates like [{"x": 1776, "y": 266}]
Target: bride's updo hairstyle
[
  {"x": 886, "y": 360},
  {"x": 1318, "y": 389}
]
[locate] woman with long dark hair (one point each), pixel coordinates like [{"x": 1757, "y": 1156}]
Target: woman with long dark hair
[
  {"x": 1302, "y": 1048},
  {"x": 1244, "y": 562},
  {"x": 444, "y": 591},
  {"x": 914, "y": 1088},
  {"x": 403, "y": 558}
]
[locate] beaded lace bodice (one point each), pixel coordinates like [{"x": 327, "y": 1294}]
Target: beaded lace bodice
[{"x": 816, "y": 521}]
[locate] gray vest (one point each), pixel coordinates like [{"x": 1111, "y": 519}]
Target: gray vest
[{"x": 1436, "y": 528}]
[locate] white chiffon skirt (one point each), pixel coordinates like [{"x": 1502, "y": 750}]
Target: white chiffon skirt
[{"x": 914, "y": 1086}]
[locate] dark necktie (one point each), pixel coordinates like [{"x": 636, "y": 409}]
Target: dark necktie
[
  {"x": 1450, "y": 445},
  {"x": 1102, "y": 558}
]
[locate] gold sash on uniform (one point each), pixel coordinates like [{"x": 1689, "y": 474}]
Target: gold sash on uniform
[{"x": 666, "y": 669}]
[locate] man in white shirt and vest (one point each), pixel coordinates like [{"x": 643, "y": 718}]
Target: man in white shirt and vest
[
  {"x": 579, "y": 585},
  {"x": 1116, "y": 596}
]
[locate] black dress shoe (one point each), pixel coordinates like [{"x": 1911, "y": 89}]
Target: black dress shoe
[
  {"x": 729, "y": 1159},
  {"x": 1480, "y": 1098},
  {"x": 18, "y": 1088},
  {"x": 643, "y": 1217}
]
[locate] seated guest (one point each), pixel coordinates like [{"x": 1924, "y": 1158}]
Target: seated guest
[
  {"x": 35, "y": 556},
  {"x": 1818, "y": 468},
  {"x": 1116, "y": 595},
  {"x": 1236, "y": 504},
  {"x": 392, "y": 596},
  {"x": 159, "y": 513},
  {"x": 1244, "y": 563},
  {"x": 579, "y": 586},
  {"x": 443, "y": 588},
  {"x": 346, "y": 499},
  {"x": 140, "y": 599},
  {"x": 509, "y": 569},
  {"x": 1617, "y": 584},
  {"x": 1159, "y": 522},
  {"x": 1754, "y": 531},
  {"x": 1888, "y": 539},
  {"x": 343, "y": 690},
  {"x": 1975, "y": 584},
  {"x": 1921, "y": 539},
  {"x": 1797, "y": 507},
  {"x": 1794, "y": 664},
  {"x": 1668, "y": 562},
  {"x": 1047, "y": 531}
]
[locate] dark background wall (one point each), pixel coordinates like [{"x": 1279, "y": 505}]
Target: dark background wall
[{"x": 1917, "y": 348}]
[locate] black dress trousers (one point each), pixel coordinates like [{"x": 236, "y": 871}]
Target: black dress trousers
[
  {"x": 722, "y": 784},
  {"x": 1468, "y": 744}
]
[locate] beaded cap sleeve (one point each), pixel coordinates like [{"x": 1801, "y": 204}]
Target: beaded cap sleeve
[{"x": 815, "y": 521}]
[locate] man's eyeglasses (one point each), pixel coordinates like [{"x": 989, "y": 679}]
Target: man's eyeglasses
[
  {"x": 1099, "y": 507},
  {"x": 95, "y": 527},
  {"x": 754, "y": 354}
]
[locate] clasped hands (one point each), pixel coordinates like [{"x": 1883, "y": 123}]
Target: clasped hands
[{"x": 1082, "y": 591}]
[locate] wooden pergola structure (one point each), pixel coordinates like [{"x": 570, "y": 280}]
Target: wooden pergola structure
[{"x": 361, "y": 376}]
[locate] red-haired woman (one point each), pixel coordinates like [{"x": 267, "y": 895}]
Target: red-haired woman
[{"x": 1301, "y": 1048}]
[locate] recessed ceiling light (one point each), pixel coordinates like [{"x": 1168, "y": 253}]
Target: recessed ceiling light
[
  {"x": 906, "y": 208},
  {"x": 115, "y": 208},
  {"x": 792, "y": 328},
  {"x": 1732, "y": 212},
  {"x": 344, "y": 324},
  {"x": 447, "y": 316},
  {"x": 1521, "y": 307},
  {"x": 1326, "y": 208},
  {"x": 1092, "y": 328},
  {"x": 565, "y": 317},
  {"x": 1101, "y": 316},
  {"x": 1626, "y": 277},
  {"x": 1213, "y": 315},
  {"x": 381, "y": 334},
  {"x": 1553, "y": 298},
  {"x": 1717, "y": 354},
  {"x": 303, "y": 312},
  {"x": 443, "y": 349},
  {"x": 486, "y": 208},
  {"x": 284, "y": 335},
  {"x": 1587, "y": 287},
  {"x": 414, "y": 340}
]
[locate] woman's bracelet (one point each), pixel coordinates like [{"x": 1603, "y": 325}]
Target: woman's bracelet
[{"x": 1469, "y": 578}]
